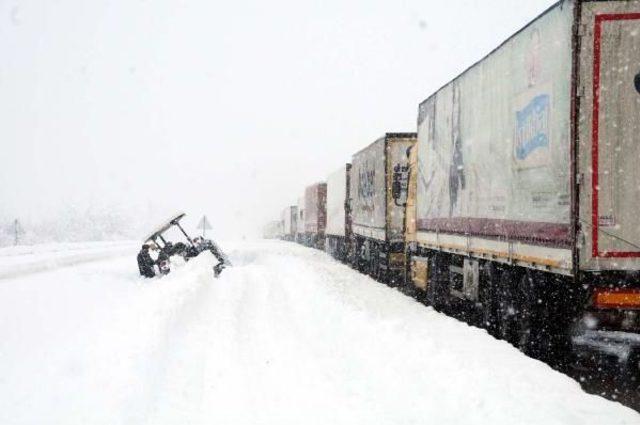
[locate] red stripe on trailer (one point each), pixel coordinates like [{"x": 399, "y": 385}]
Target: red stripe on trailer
[
  {"x": 594, "y": 135},
  {"x": 540, "y": 233},
  {"x": 619, "y": 254},
  {"x": 597, "y": 46}
]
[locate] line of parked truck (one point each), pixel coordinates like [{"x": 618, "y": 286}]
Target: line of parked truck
[{"x": 515, "y": 204}]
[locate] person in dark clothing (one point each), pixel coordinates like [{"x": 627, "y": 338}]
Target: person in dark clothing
[
  {"x": 163, "y": 260},
  {"x": 145, "y": 262}
]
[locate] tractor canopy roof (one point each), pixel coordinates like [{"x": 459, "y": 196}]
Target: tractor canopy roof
[{"x": 174, "y": 220}]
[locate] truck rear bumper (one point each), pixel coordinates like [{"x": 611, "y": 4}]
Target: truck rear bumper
[{"x": 615, "y": 349}]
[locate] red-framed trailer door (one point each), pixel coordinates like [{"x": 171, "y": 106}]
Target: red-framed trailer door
[{"x": 609, "y": 135}]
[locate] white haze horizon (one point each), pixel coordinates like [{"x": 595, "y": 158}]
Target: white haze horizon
[{"x": 115, "y": 114}]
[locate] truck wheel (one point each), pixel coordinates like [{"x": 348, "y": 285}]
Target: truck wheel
[
  {"x": 362, "y": 256},
  {"x": 561, "y": 310},
  {"x": 489, "y": 282},
  {"x": 520, "y": 312},
  {"x": 385, "y": 275},
  {"x": 527, "y": 336},
  {"x": 373, "y": 261},
  {"x": 507, "y": 307},
  {"x": 430, "y": 293},
  {"x": 381, "y": 273},
  {"x": 437, "y": 289}
]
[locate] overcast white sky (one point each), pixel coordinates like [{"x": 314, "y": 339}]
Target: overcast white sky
[{"x": 223, "y": 108}]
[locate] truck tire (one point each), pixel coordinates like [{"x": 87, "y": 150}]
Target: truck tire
[
  {"x": 490, "y": 279},
  {"x": 521, "y": 312},
  {"x": 507, "y": 306},
  {"x": 438, "y": 287},
  {"x": 528, "y": 315}
]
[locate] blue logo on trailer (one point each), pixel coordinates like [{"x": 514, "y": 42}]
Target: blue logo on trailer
[{"x": 532, "y": 127}]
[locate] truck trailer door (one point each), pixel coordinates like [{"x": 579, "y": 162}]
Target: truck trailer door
[{"x": 609, "y": 134}]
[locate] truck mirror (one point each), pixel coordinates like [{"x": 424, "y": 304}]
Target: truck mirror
[
  {"x": 399, "y": 185},
  {"x": 636, "y": 82},
  {"x": 396, "y": 187}
]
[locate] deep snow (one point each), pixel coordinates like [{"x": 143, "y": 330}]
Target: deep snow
[
  {"x": 25, "y": 259},
  {"x": 288, "y": 335}
]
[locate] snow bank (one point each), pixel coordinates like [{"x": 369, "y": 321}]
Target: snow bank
[
  {"x": 287, "y": 336},
  {"x": 85, "y": 344},
  {"x": 322, "y": 344},
  {"x": 24, "y": 259}
]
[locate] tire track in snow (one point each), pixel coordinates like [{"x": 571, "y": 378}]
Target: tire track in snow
[{"x": 287, "y": 336}]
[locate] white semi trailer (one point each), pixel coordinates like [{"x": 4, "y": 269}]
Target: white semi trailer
[
  {"x": 290, "y": 222},
  {"x": 378, "y": 218},
  {"x": 338, "y": 230},
  {"x": 528, "y": 183},
  {"x": 300, "y": 220}
]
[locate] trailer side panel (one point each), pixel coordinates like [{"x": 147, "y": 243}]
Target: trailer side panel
[
  {"x": 368, "y": 194},
  {"x": 315, "y": 209},
  {"x": 494, "y": 147}
]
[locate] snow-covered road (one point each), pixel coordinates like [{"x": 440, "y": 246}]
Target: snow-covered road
[{"x": 287, "y": 336}]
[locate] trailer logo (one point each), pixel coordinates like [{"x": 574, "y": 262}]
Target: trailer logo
[
  {"x": 532, "y": 130},
  {"x": 366, "y": 187}
]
